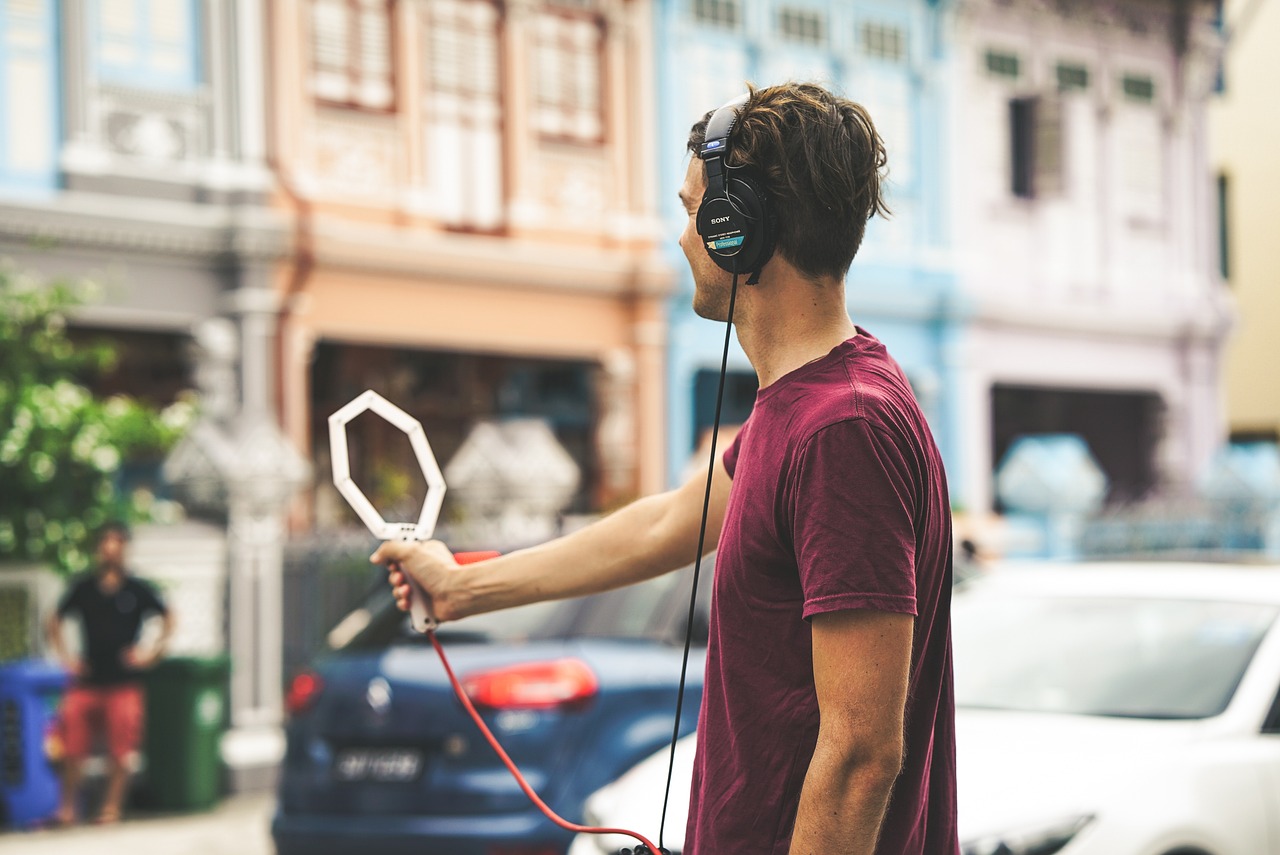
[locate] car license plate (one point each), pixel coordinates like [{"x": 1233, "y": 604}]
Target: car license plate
[{"x": 395, "y": 765}]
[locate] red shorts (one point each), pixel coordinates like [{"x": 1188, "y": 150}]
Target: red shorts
[{"x": 115, "y": 711}]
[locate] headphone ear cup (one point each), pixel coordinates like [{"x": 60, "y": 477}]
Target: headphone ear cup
[{"x": 751, "y": 202}]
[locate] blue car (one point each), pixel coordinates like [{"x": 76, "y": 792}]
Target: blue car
[{"x": 381, "y": 757}]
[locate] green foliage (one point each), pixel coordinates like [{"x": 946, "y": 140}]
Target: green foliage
[{"x": 60, "y": 447}]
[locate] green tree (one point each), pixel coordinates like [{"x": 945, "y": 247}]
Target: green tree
[{"x": 60, "y": 447}]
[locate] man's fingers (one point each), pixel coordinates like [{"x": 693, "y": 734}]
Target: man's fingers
[{"x": 390, "y": 550}]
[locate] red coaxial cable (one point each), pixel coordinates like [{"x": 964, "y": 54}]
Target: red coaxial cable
[{"x": 471, "y": 558}]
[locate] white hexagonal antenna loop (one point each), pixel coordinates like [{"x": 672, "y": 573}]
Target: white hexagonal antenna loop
[{"x": 338, "y": 452}]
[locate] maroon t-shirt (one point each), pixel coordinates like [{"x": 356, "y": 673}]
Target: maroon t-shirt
[{"x": 839, "y": 501}]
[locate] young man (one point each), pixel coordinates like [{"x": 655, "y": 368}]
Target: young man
[
  {"x": 106, "y": 695},
  {"x": 827, "y": 715}
]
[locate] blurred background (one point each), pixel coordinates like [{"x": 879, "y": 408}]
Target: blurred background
[{"x": 221, "y": 220}]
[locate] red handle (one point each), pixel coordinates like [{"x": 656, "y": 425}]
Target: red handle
[{"x": 474, "y": 557}]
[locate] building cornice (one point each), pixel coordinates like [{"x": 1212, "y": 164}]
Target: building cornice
[
  {"x": 506, "y": 261},
  {"x": 1209, "y": 321},
  {"x": 146, "y": 226}
]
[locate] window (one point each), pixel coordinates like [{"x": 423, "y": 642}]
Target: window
[
  {"x": 726, "y": 14},
  {"x": 883, "y": 41},
  {"x": 1224, "y": 224},
  {"x": 1035, "y": 147},
  {"x": 1002, "y": 64},
  {"x": 351, "y": 53},
  {"x": 802, "y": 25},
  {"x": 463, "y": 101},
  {"x": 568, "y": 52},
  {"x": 147, "y": 43},
  {"x": 1072, "y": 77},
  {"x": 1139, "y": 88}
]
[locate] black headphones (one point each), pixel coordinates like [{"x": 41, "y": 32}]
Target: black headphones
[{"x": 735, "y": 218}]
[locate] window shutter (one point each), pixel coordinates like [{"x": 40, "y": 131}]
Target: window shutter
[{"x": 1049, "y": 139}]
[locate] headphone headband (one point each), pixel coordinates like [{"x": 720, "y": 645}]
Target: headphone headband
[{"x": 716, "y": 140}]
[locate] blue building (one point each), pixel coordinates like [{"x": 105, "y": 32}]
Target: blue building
[{"x": 888, "y": 56}]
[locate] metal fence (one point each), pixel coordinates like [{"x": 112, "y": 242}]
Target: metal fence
[{"x": 325, "y": 576}]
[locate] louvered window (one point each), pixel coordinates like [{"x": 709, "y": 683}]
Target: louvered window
[
  {"x": 463, "y": 103},
  {"x": 807, "y": 26},
  {"x": 883, "y": 41},
  {"x": 1035, "y": 146},
  {"x": 351, "y": 53},
  {"x": 725, "y": 14},
  {"x": 568, "y": 76},
  {"x": 147, "y": 44}
]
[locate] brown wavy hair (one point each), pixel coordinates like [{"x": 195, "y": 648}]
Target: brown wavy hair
[{"x": 822, "y": 163}]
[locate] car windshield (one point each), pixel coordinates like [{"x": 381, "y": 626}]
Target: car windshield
[{"x": 1139, "y": 658}]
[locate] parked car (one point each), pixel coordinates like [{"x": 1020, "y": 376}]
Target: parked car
[
  {"x": 381, "y": 756},
  {"x": 1115, "y": 709}
]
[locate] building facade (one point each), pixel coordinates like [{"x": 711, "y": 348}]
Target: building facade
[
  {"x": 1245, "y": 129},
  {"x": 471, "y": 193},
  {"x": 132, "y": 154},
  {"x": 888, "y": 56},
  {"x": 1082, "y": 204}
]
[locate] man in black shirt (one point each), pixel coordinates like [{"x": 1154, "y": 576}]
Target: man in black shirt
[{"x": 106, "y": 693}]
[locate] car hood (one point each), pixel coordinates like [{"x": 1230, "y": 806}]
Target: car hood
[
  {"x": 634, "y": 801},
  {"x": 1015, "y": 770},
  {"x": 1021, "y": 770}
]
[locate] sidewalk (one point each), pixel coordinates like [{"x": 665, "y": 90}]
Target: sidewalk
[{"x": 239, "y": 825}]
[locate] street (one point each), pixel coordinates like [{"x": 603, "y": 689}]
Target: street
[{"x": 239, "y": 825}]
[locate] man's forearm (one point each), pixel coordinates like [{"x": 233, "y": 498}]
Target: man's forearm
[
  {"x": 843, "y": 802},
  {"x": 53, "y": 634},
  {"x": 649, "y": 537}
]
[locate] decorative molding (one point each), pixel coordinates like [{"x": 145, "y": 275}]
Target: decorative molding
[
  {"x": 162, "y": 228},
  {"x": 514, "y": 263}
]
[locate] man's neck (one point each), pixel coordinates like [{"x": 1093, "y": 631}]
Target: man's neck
[
  {"x": 110, "y": 577},
  {"x": 790, "y": 323}
]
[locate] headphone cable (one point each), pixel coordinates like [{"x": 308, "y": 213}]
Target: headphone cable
[{"x": 697, "y": 561}]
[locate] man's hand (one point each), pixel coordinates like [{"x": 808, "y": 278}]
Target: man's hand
[
  {"x": 432, "y": 567},
  {"x": 139, "y": 660},
  {"x": 75, "y": 667}
]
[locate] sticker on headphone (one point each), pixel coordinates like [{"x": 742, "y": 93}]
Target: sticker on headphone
[{"x": 726, "y": 243}]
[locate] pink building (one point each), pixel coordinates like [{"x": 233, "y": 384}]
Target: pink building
[{"x": 471, "y": 187}]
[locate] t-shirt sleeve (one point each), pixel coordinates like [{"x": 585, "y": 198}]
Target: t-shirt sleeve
[
  {"x": 730, "y": 457},
  {"x": 70, "y": 600},
  {"x": 853, "y": 530},
  {"x": 149, "y": 600}
]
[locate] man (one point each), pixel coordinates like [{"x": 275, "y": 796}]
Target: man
[
  {"x": 827, "y": 715},
  {"x": 106, "y": 696}
]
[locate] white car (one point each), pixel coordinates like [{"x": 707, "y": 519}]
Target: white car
[{"x": 1102, "y": 709}]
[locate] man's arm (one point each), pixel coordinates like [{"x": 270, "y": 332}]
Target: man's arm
[
  {"x": 647, "y": 538},
  {"x": 861, "y": 661},
  {"x": 53, "y": 634}
]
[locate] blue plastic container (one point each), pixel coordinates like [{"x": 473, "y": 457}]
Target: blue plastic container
[{"x": 29, "y": 695}]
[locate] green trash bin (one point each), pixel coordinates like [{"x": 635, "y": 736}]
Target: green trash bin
[{"x": 186, "y": 716}]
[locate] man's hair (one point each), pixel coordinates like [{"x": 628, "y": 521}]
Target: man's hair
[
  {"x": 821, "y": 163},
  {"x": 119, "y": 527}
]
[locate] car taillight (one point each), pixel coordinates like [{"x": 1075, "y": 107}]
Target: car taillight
[
  {"x": 532, "y": 685},
  {"x": 303, "y": 691}
]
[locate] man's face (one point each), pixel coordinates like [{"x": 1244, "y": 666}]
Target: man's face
[
  {"x": 711, "y": 284},
  {"x": 111, "y": 549}
]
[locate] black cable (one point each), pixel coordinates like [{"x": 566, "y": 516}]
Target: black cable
[{"x": 697, "y": 561}]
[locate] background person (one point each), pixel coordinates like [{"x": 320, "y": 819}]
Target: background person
[
  {"x": 827, "y": 720},
  {"x": 106, "y": 697}
]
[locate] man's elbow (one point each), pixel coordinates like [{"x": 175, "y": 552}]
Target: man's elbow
[{"x": 874, "y": 762}]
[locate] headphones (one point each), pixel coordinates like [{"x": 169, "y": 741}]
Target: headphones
[{"x": 735, "y": 219}]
